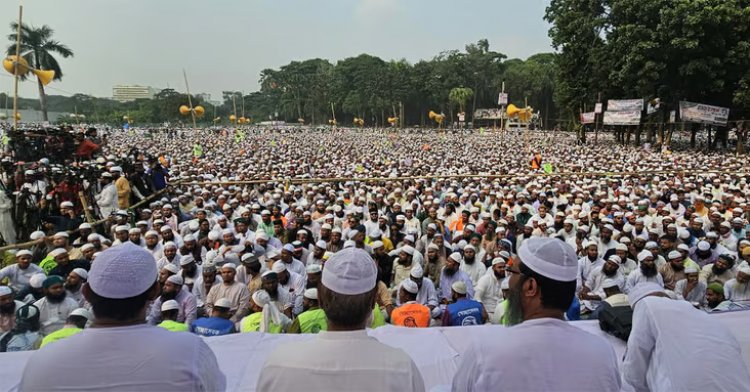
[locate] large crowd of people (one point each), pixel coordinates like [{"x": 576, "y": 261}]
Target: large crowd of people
[{"x": 304, "y": 230}]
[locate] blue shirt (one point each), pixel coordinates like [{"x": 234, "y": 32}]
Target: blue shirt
[
  {"x": 464, "y": 312},
  {"x": 212, "y": 326},
  {"x": 446, "y": 281}
]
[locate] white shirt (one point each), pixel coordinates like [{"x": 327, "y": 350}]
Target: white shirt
[
  {"x": 133, "y": 358},
  {"x": 663, "y": 357},
  {"x": 735, "y": 291},
  {"x": 475, "y": 271},
  {"x": 636, "y": 277},
  {"x": 52, "y": 316},
  {"x": 427, "y": 295},
  {"x": 339, "y": 361},
  {"x": 487, "y": 291},
  {"x": 536, "y": 355},
  {"x": 17, "y": 277}
]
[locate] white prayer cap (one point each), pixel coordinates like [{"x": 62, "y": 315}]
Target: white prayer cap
[
  {"x": 704, "y": 246},
  {"x": 82, "y": 312},
  {"x": 141, "y": 223},
  {"x": 313, "y": 268},
  {"x": 23, "y": 252},
  {"x": 82, "y": 273},
  {"x": 123, "y": 271},
  {"x": 644, "y": 254},
  {"x": 651, "y": 245},
  {"x": 615, "y": 259},
  {"x": 745, "y": 270},
  {"x": 683, "y": 247},
  {"x": 66, "y": 204},
  {"x": 278, "y": 267},
  {"x": 125, "y": 228},
  {"x": 225, "y": 303},
  {"x": 57, "y": 252},
  {"x": 170, "y": 244},
  {"x": 470, "y": 247},
  {"x": 505, "y": 285},
  {"x": 712, "y": 234},
  {"x": 176, "y": 279},
  {"x": 350, "y": 271},
  {"x": 410, "y": 286},
  {"x": 171, "y": 268},
  {"x": 134, "y": 230},
  {"x": 376, "y": 245},
  {"x": 609, "y": 283},
  {"x": 455, "y": 256},
  {"x": 325, "y": 226},
  {"x": 5, "y": 290},
  {"x": 621, "y": 247},
  {"x": 550, "y": 257},
  {"x": 321, "y": 244},
  {"x": 84, "y": 225},
  {"x": 459, "y": 286},
  {"x": 227, "y": 232},
  {"x": 311, "y": 293},
  {"x": 433, "y": 246},
  {"x": 691, "y": 270},
  {"x": 36, "y": 235},
  {"x": 187, "y": 259},
  {"x": 61, "y": 234},
  {"x": 417, "y": 271},
  {"x": 188, "y": 237},
  {"x": 37, "y": 280},
  {"x": 86, "y": 247},
  {"x": 261, "y": 235},
  {"x": 408, "y": 249},
  {"x": 498, "y": 260},
  {"x": 642, "y": 290},
  {"x": 674, "y": 255},
  {"x": 151, "y": 233},
  {"x": 169, "y": 305},
  {"x": 229, "y": 265}
]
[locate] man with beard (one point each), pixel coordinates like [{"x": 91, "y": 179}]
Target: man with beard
[
  {"x": 25, "y": 334},
  {"x": 627, "y": 265},
  {"x": 88, "y": 252},
  {"x": 738, "y": 289},
  {"x": 168, "y": 235},
  {"x": 134, "y": 236},
  {"x": 291, "y": 282},
  {"x": 691, "y": 289},
  {"x": 542, "y": 287},
  {"x": 487, "y": 290},
  {"x": 73, "y": 284},
  {"x": 646, "y": 273},
  {"x": 170, "y": 310},
  {"x": 402, "y": 263},
  {"x": 153, "y": 245},
  {"x": 232, "y": 290},
  {"x": 189, "y": 271},
  {"x": 605, "y": 240},
  {"x": 313, "y": 319},
  {"x": 314, "y": 272},
  {"x": 56, "y": 306},
  {"x": 301, "y": 251},
  {"x": 674, "y": 270},
  {"x": 336, "y": 244},
  {"x": 170, "y": 256},
  {"x": 720, "y": 272},
  {"x": 473, "y": 267},
  {"x": 435, "y": 262},
  {"x": 589, "y": 262},
  {"x": 204, "y": 284},
  {"x": 172, "y": 290},
  {"x": 8, "y": 307},
  {"x": 18, "y": 274},
  {"x": 316, "y": 256},
  {"x": 656, "y": 341},
  {"x": 702, "y": 254},
  {"x": 249, "y": 272},
  {"x": 190, "y": 247},
  {"x": 593, "y": 290},
  {"x": 292, "y": 264},
  {"x": 452, "y": 273},
  {"x": 280, "y": 298},
  {"x": 426, "y": 293}
]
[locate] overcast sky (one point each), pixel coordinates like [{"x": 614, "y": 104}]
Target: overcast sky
[{"x": 224, "y": 44}]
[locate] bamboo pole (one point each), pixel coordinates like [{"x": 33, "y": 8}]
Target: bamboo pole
[
  {"x": 85, "y": 205},
  {"x": 190, "y": 101},
  {"x": 15, "y": 68}
]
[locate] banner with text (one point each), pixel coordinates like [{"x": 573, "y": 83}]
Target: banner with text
[
  {"x": 706, "y": 114},
  {"x": 588, "y": 118},
  {"x": 623, "y": 117},
  {"x": 624, "y": 105},
  {"x": 488, "y": 114}
]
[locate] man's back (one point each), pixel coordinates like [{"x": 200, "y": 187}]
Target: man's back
[
  {"x": 212, "y": 326},
  {"x": 336, "y": 361},
  {"x": 538, "y": 355},
  {"x": 132, "y": 358},
  {"x": 662, "y": 357}
]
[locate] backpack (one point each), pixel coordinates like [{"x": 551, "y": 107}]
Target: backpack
[{"x": 616, "y": 320}]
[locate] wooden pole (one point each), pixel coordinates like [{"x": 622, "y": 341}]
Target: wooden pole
[
  {"x": 15, "y": 68},
  {"x": 190, "y": 101},
  {"x": 85, "y": 205},
  {"x": 502, "y": 109}
]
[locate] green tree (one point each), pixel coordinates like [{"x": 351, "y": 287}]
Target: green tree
[
  {"x": 38, "y": 48},
  {"x": 460, "y": 95}
]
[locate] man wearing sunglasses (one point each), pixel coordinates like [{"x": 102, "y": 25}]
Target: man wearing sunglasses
[{"x": 535, "y": 353}]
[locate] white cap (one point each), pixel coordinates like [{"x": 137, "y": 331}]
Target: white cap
[
  {"x": 376, "y": 245},
  {"x": 278, "y": 267},
  {"x": 169, "y": 305},
  {"x": 609, "y": 283},
  {"x": 350, "y": 271},
  {"x": 703, "y": 246},
  {"x": 84, "y": 225},
  {"x": 691, "y": 270},
  {"x": 417, "y": 271},
  {"x": 24, "y": 252},
  {"x": 615, "y": 259},
  {"x": 498, "y": 260},
  {"x": 642, "y": 290},
  {"x": 83, "y": 312},
  {"x": 745, "y": 270},
  {"x": 321, "y": 244},
  {"x": 37, "y": 280},
  {"x": 37, "y": 235},
  {"x": 176, "y": 279},
  {"x": 134, "y": 230},
  {"x": 82, "y": 273},
  {"x": 505, "y": 285},
  {"x": 170, "y": 244},
  {"x": 407, "y": 249},
  {"x": 410, "y": 286},
  {"x": 66, "y": 204},
  {"x": 674, "y": 255},
  {"x": 5, "y": 290},
  {"x": 313, "y": 268},
  {"x": 455, "y": 256},
  {"x": 550, "y": 257},
  {"x": 223, "y": 303},
  {"x": 123, "y": 271},
  {"x": 124, "y": 228},
  {"x": 311, "y": 293},
  {"x": 187, "y": 259},
  {"x": 61, "y": 234},
  {"x": 171, "y": 268},
  {"x": 459, "y": 286},
  {"x": 644, "y": 254},
  {"x": 57, "y": 252}
]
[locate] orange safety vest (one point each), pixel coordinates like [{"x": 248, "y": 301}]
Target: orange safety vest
[
  {"x": 412, "y": 315},
  {"x": 536, "y": 162}
]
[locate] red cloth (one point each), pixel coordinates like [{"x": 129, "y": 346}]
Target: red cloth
[{"x": 86, "y": 148}]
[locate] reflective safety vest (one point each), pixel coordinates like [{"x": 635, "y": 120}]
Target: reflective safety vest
[
  {"x": 377, "y": 318},
  {"x": 48, "y": 264},
  {"x": 252, "y": 322},
  {"x": 312, "y": 321},
  {"x": 60, "y": 334},
  {"x": 412, "y": 315},
  {"x": 174, "y": 326}
]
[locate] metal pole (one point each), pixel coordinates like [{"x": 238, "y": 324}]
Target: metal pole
[
  {"x": 15, "y": 68},
  {"x": 190, "y": 102}
]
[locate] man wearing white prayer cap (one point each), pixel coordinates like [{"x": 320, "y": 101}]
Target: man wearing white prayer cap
[
  {"x": 691, "y": 289},
  {"x": 172, "y": 289},
  {"x": 234, "y": 291},
  {"x": 542, "y": 287},
  {"x": 738, "y": 289},
  {"x": 410, "y": 313},
  {"x": 121, "y": 283},
  {"x": 313, "y": 319},
  {"x": 646, "y": 272},
  {"x": 654, "y": 342},
  {"x": 487, "y": 291},
  {"x": 347, "y": 296},
  {"x": 21, "y": 271}
]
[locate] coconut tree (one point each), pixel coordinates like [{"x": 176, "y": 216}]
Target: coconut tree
[
  {"x": 459, "y": 95},
  {"x": 38, "y": 48}
]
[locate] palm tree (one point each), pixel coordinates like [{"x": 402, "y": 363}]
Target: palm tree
[{"x": 37, "y": 47}]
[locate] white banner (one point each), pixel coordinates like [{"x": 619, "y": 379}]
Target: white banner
[
  {"x": 626, "y": 117},
  {"x": 502, "y": 99},
  {"x": 624, "y": 105},
  {"x": 588, "y": 118},
  {"x": 672, "y": 116},
  {"x": 706, "y": 114},
  {"x": 598, "y": 108}
]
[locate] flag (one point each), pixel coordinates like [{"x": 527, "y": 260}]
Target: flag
[{"x": 547, "y": 168}]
